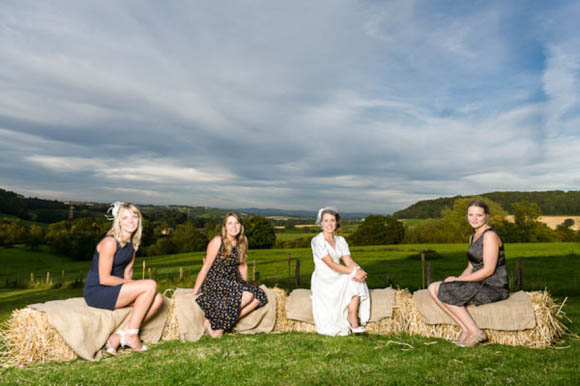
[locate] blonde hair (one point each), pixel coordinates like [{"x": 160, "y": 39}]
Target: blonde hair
[
  {"x": 116, "y": 228},
  {"x": 241, "y": 239}
]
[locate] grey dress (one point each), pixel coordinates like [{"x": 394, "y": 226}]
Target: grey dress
[{"x": 492, "y": 289}]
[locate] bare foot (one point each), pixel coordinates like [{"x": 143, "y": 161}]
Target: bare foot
[{"x": 213, "y": 333}]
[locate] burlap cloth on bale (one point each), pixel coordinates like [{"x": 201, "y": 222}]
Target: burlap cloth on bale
[
  {"x": 299, "y": 305},
  {"x": 86, "y": 329},
  {"x": 513, "y": 314},
  {"x": 190, "y": 316}
]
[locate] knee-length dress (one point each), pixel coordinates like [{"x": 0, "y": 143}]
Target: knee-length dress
[
  {"x": 492, "y": 289},
  {"x": 333, "y": 291},
  {"x": 221, "y": 292},
  {"x": 104, "y": 296}
]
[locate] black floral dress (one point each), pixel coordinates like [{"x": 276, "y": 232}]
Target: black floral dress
[{"x": 221, "y": 292}]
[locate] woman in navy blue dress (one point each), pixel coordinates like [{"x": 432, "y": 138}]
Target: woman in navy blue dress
[
  {"x": 109, "y": 283},
  {"x": 226, "y": 296}
]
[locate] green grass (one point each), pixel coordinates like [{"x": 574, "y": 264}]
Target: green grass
[
  {"x": 298, "y": 358},
  {"x": 412, "y": 222}
]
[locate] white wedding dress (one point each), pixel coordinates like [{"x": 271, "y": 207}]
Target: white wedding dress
[{"x": 332, "y": 291}]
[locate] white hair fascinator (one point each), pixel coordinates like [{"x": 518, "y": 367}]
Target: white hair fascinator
[
  {"x": 319, "y": 216},
  {"x": 113, "y": 210}
]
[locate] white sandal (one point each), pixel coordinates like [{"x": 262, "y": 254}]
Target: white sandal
[
  {"x": 124, "y": 333},
  {"x": 109, "y": 347}
]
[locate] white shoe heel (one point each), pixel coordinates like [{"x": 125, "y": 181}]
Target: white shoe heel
[{"x": 124, "y": 333}]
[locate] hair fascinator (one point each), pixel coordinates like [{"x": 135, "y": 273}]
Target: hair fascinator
[
  {"x": 319, "y": 216},
  {"x": 113, "y": 210}
]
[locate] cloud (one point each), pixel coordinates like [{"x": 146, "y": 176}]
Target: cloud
[{"x": 364, "y": 105}]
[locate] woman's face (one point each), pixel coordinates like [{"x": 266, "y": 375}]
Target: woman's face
[
  {"x": 129, "y": 221},
  {"x": 476, "y": 216},
  {"x": 328, "y": 223},
  {"x": 233, "y": 226}
]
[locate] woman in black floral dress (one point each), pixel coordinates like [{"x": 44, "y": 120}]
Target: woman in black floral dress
[{"x": 226, "y": 296}]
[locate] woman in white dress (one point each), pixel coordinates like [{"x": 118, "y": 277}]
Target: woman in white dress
[{"x": 340, "y": 296}]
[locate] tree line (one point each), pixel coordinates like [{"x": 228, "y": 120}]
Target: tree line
[{"x": 550, "y": 203}]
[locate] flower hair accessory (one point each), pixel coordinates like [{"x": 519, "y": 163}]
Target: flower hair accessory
[
  {"x": 113, "y": 210},
  {"x": 319, "y": 215}
]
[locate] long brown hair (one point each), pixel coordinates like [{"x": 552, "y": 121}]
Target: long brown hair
[{"x": 241, "y": 239}]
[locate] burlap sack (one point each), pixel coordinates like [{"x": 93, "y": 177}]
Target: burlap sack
[
  {"x": 513, "y": 314},
  {"x": 190, "y": 316},
  {"x": 261, "y": 320},
  {"x": 382, "y": 301},
  {"x": 86, "y": 329},
  {"x": 299, "y": 305}
]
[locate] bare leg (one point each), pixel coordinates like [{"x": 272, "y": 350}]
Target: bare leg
[
  {"x": 249, "y": 303},
  {"x": 458, "y": 314},
  {"x": 141, "y": 295},
  {"x": 353, "y": 311}
]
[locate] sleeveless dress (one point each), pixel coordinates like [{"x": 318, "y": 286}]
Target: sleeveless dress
[
  {"x": 104, "y": 296},
  {"x": 221, "y": 292},
  {"x": 333, "y": 291},
  {"x": 490, "y": 290}
]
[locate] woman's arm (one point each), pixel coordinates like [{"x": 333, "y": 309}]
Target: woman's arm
[
  {"x": 128, "y": 273},
  {"x": 244, "y": 271},
  {"x": 212, "y": 250},
  {"x": 107, "y": 248},
  {"x": 361, "y": 275},
  {"x": 491, "y": 243}
]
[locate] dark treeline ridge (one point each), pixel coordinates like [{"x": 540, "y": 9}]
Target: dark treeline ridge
[{"x": 551, "y": 203}]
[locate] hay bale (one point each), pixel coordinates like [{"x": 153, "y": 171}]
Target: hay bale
[
  {"x": 171, "y": 328},
  {"x": 549, "y": 329},
  {"x": 29, "y": 339},
  {"x": 281, "y": 320},
  {"x": 399, "y": 321}
]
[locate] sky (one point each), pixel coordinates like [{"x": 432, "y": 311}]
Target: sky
[{"x": 362, "y": 105}]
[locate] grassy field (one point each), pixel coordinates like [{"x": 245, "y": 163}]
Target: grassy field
[{"x": 299, "y": 358}]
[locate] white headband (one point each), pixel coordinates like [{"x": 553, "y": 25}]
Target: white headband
[
  {"x": 113, "y": 210},
  {"x": 319, "y": 216}
]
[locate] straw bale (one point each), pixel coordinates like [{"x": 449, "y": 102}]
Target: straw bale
[
  {"x": 549, "y": 329},
  {"x": 399, "y": 321},
  {"x": 281, "y": 320},
  {"x": 29, "y": 339},
  {"x": 171, "y": 328}
]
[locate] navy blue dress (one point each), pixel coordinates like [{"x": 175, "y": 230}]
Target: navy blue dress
[
  {"x": 103, "y": 296},
  {"x": 221, "y": 292}
]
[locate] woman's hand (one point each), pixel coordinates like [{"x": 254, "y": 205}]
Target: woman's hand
[
  {"x": 360, "y": 275},
  {"x": 450, "y": 279}
]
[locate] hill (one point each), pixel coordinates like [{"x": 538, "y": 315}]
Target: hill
[{"x": 552, "y": 203}]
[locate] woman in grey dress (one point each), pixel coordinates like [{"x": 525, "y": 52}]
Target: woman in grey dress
[{"x": 484, "y": 280}]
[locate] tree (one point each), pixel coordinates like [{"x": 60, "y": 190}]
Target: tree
[
  {"x": 378, "y": 230},
  {"x": 260, "y": 232},
  {"x": 529, "y": 229},
  {"x": 35, "y": 236},
  {"x": 188, "y": 238}
]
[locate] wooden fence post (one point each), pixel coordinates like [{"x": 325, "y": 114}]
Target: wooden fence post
[
  {"x": 149, "y": 272},
  {"x": 519, "y": 274},
  {"x": 181, "y": 274},
  {"x": 31, "y": 277},
  {"x": 47, "y": 278},
  {"x": 254, "y": 272},
  {"x": 423, "y": 268},
  {"x": 429, "y": 273},
  {"x": 62, "y": 277},
  {"x": 81, "y": 276},
  {"x": 297, "y": 277},
  {"x": 289, "y": 263},
  {"x": 143, "y": 269}
]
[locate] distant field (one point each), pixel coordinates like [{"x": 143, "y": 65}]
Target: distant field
[{"x": 554, "y": 221}]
